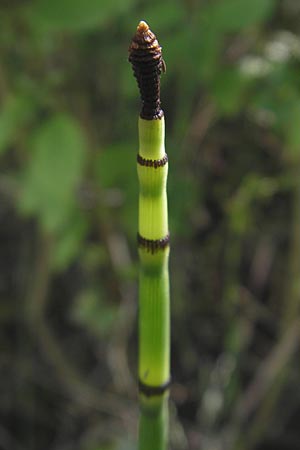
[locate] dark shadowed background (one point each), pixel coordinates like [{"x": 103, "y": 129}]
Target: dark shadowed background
[{"x": 68, "y": 221}]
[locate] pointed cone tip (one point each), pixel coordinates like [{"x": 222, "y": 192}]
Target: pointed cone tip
[{"x": 142, "y": 27}]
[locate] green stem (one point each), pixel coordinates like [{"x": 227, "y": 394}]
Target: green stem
[
  {"x": 154, "y": 326},
  {"x": 153, "y": 241},
  {"x": 153, "y": 426},
  {"x": 154, "y": 303}
]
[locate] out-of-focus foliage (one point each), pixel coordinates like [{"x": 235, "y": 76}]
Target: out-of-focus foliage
[
  {"x": 68, "y": 220},
  {"x": 57, "y": 145},
  {"x": 237, "y": 15}
]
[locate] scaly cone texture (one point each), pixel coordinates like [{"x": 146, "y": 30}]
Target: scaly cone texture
[
  {"x": 146, "y": 59},
  {"x": 153, "y": 242}
]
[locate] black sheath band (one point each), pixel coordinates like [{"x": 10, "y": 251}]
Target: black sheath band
[
  {"x": 152, "y": 245},
  {"x": 150, "y": 391},
  {"x": 152, "y": 162}
]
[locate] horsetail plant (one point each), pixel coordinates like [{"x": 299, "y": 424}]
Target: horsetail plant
[{"x": 153, "y": 243}]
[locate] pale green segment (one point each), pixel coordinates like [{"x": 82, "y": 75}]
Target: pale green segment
[
  {"x": 152, "y": 138},
  {"x": 153, "y": 217},
  {"x": 153, "y": 208},
  {"x": 154, "y": 321}
]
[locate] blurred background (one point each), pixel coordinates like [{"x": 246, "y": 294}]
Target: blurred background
[{"x": 68, "y": 221}]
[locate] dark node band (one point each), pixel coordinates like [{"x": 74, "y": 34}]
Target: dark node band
[
  {"x": 146, "y": 115},
  {"x": 150, "y": 391},
  {"x": 152, "y": 245},
  {"x": 152, "y": 162}
]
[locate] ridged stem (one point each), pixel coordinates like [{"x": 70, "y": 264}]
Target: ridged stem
[
  {"x": 153, "y": 242},
  {"x": 153, "y": 427},
  {"x": 154, "y": 302},
  {"x": 154, "y": 307}
]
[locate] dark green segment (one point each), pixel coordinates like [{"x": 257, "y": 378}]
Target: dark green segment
[
  {"x": 154, "y": 320},
  {"x": 153, "y": 425}
]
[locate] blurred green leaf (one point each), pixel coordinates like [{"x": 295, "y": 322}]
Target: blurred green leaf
[
  {"x": 228, "y": 88},
  {"x": 68, "y": 243},
  {"x": 91, "y": 311},
  {"x": 164, "y": 15},
  {"x": 115, "y": 168},
  {"x": 254, "y": 188},
  {"x": 54, "y": 171},
  {"x": 15, "y": 111},
  {"x": 75, "y": 15},
  {"x": 235, "y": 15},
  {"x": 204, "y": 49},
  {"x": 292, "y": 130},
  {"x": 115, "y": 165},
  {"x": 182, "y": 201}
]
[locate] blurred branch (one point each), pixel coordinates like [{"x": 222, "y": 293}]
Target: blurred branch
[
  {"x": 117, "y": 354},
  {"x": 292, "y": 294},
  {"x": 3, "y": 84},
  {"x": 119, "y": 261},
  {"x": 79, "y": 390},
  {"x": 7, "y": 441},
  {"x": 201, "y": 121},
  {"x": 265, "y": 389}
]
